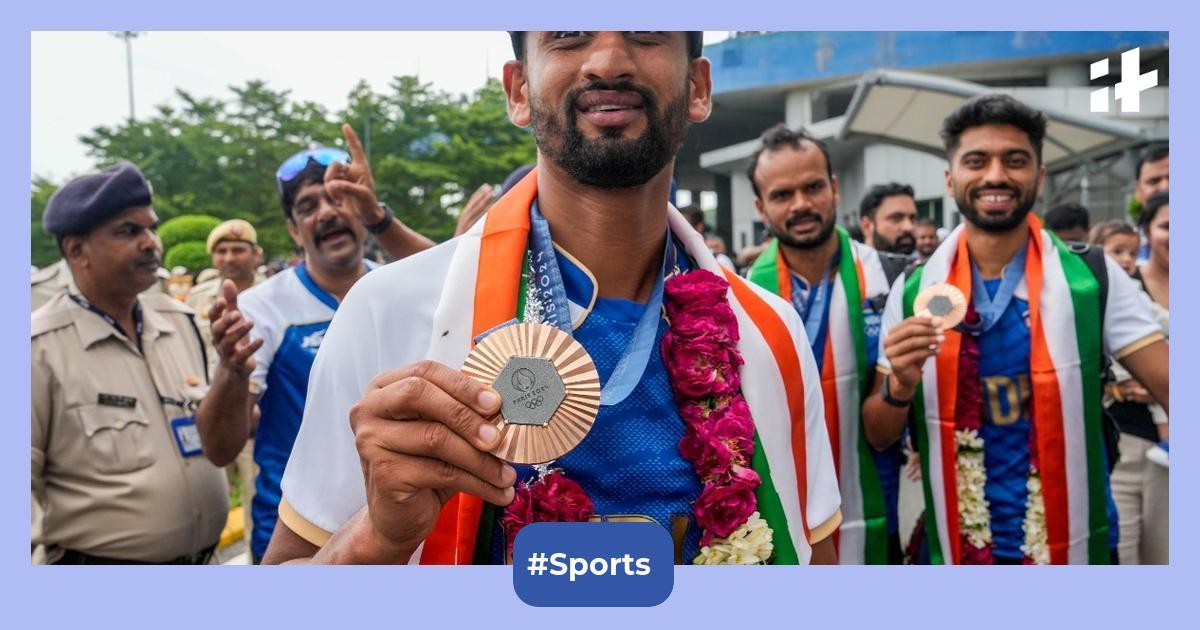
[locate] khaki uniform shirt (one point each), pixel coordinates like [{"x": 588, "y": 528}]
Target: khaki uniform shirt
[
  {"x": 108, "y": 478},
  {"x": 48, "y": 282}
]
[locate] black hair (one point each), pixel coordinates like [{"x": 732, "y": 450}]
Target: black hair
[
  {"x": 1066, "y": 216},
  {"x": 925, "y": 222},
  {"x": 1105, "y": 230},
  {"x": 1154, "y": 154},
  {"x": 695, "y": 43},
  {"x": 313, "y": 173},
  {"x": 994, "y": 109},
  {"x": 694, "y": 216},
  {"x": 874, "y": 197},
  {"x": 1153, "y": 205},
  {"x": 778, "y": 137}
]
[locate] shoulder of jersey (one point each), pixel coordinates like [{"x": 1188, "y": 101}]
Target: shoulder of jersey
[{"x": 52, "y": 316}]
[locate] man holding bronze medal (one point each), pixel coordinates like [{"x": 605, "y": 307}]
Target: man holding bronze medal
[
  {"x": 995, "y": 346},
  {"x": 838, "y": 286},
  {"x": 524, "y": 371}
]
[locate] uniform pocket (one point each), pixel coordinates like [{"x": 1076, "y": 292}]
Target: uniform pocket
[{"x": 118, "y": 439}]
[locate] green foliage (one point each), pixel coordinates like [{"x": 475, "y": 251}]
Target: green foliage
[
  {"x": 43, "y": 249},
  {"x": 190, "y": 254},
  {"x": 186, "y": 227},
  {"x": 428, "y": 151}
]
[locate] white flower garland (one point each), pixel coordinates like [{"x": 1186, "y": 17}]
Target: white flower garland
[
  {"x": 974, "y": 514},
  {"x": 1035, "y": 547},
  {"x": 748, "y": 544}
]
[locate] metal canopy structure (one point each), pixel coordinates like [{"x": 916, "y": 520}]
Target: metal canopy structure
[{"x": 907, "y": 108}]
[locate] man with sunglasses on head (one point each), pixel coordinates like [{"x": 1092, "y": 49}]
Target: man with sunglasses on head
[{"x": 329, "y": 200}]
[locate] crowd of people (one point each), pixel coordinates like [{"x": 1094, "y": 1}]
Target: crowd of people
[{"x": 766, "y": 417}]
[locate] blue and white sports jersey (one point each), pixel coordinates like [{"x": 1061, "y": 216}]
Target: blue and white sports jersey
[{"x": 290, "y": 313}]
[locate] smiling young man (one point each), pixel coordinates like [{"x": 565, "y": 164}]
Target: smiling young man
[
  {"x": 838, "y": 288},
  {"x": 329, "y": 200},
  {"x": 392, "y": 463},
  {"x": 1007, "y": 406}
]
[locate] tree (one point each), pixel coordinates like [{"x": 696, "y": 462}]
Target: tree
[{"x": 428, "y": 149}]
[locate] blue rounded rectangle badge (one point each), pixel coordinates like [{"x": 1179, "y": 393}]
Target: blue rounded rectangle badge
[{"x": 593, "y": 564}]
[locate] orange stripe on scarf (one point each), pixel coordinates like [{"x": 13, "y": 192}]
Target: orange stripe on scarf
[
  {"x": 501, "y": 254},
  {"x": 776, "y": 334},
  {"x": 1046, "y": 410}
]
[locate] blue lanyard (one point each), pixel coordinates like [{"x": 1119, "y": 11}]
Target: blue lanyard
[
  {"x": 990, "y": 309},
  {"x": 551, "y": 308},
  {"x": 137, "y": 318},
  {"x": 812, "y": 310}
]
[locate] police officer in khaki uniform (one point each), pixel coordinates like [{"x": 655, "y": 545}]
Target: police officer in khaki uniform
[
  {"x": 236, "y": 255},
  {"x": 117, "y": 471}
]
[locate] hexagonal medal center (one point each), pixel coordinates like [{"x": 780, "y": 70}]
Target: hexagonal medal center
[{"x": 531, "y": 390}]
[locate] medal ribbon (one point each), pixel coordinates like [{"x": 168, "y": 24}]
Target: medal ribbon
[
  {"x": 990, "y": 309},
  {"x": 553, "y": 310}
]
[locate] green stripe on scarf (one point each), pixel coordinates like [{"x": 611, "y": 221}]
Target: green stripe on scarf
[
  {"x": 912, "y": 286},
  {"x": 765, "y": 270},
  {"x": 874, "y": 507},
  {"x": 1085, "y": 297},
  {"x": 770, "y": 508}
]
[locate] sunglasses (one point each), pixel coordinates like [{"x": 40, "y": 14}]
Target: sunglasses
[{"x": 293, "y": 166}]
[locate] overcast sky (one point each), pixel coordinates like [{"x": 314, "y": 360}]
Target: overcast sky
[{"x": 78, "y": 79}]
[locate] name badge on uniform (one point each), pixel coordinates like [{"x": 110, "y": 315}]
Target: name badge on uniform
[
  {"x": 115, "y": 400},
  {"x": 187, "y": 435}
]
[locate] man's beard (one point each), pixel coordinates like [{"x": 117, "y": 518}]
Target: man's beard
[
  {"x": 786, "y": 239},
  {"x": 996, "y": 224},
  {"x": 611, "y": 161},
  {"x": 904, "y": 244}
]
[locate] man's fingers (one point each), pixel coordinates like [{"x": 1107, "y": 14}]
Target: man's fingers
[
  {"x": 245, "y": 352},
  {"x": 340, "y": 188},
  {"x": 425, "y": 472},
  {"x": 483, "y": 399},
  {"x": 357, "y": 155},
  {"x": 910, "y": 344},
  {"x": 335, "y": 172},
  {"x": 229, "y": 293},
  {"x": 230, "y": 337},
  {"x": 435, "y": 440},
  {"x": 414, "y": 398}
]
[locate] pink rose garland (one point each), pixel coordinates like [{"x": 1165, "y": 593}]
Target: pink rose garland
[
  {"x": 701, "y": 356},
  {"x": 700, "y": 353}
]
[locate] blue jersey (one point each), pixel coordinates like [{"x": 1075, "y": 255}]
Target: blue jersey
[
  {"x": 1007, "y": 391},
  {"x": 290, "y": 313},
  {"x": 629, "y": 464}
]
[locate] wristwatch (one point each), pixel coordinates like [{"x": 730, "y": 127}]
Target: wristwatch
[
  {"x": 886, "y": 392},
  {"x": 384, "y": 223}
]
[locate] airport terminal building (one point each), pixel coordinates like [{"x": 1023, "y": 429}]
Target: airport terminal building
[{"x": 878, "y": 99}]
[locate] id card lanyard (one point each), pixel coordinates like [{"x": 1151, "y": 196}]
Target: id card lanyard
[{"x": 812, "y": 310}]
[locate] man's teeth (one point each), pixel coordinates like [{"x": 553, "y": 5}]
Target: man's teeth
[
  {"x": 996, "y": 198},
  {"x": 607, "y": 108}
]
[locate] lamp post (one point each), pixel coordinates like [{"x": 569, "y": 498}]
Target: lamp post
[{"x": 128, "y": 37}]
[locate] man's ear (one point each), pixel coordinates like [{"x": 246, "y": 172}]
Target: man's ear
[
  {"x": 700, "y": 90},
  {"x": 74, "y": 249},
  {"x": 516, "y": 89}
]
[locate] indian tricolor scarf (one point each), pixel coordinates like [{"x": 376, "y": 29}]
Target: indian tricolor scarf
[
  {"x": 862, "y": 537},
  {"x": 1065, "y": 355},
  {"x": 490, "y": 259}
]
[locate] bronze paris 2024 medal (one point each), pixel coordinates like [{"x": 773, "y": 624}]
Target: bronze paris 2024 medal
[
  {"x": 549, "y": 387},
  {"x": 944, "y": 301}
]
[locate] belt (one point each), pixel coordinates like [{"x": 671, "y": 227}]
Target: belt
[{"x": 70, "y": 556}]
